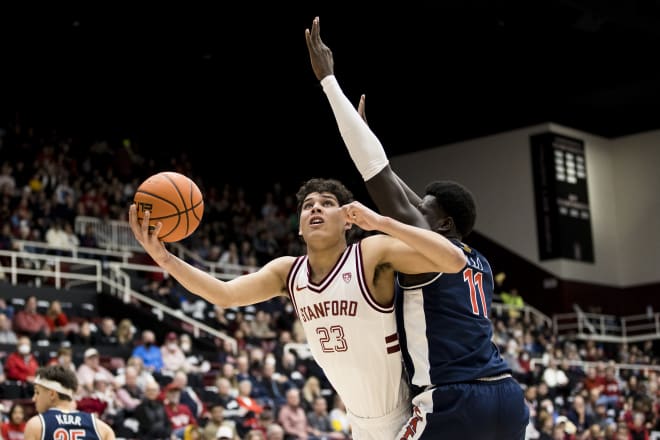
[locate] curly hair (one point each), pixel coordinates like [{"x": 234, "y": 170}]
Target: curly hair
[
  {"x": 332, "y": 186},
  {"x": 457, "y": 202}
]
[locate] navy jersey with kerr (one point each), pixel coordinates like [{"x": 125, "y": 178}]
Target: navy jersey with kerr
[{"x": 74, "y": 425}]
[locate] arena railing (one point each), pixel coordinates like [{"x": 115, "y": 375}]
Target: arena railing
[
  {"x": 117, "y": 235},
  {"x": 122, "y": 288},
  {"x": 73, "y": 251},
  {"x": 607, "y": 328},
  {"x": 62, "y": 272},
  {"x": 44, "y": 268},
  {"x": 526, "y": 311},
  {"x": 587, "y": 364}
]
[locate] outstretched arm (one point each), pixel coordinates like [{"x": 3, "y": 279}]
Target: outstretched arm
[
  {"x": 409, "y": 249},
  {"x": 413, "y": 198},
  {"x": 267, "y": 282},
  {"x": 392, "y": 197}
]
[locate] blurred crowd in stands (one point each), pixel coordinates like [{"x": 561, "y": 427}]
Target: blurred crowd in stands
[{"x": 152, "y": 385}]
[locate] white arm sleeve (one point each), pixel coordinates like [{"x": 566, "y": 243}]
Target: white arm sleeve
[{"x": 364, "y": 147}]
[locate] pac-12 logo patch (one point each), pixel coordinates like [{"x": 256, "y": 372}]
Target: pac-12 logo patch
[{"x": 347, "y": 276}]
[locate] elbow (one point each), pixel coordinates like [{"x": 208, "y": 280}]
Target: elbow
[{"x": 458, "y": 261}]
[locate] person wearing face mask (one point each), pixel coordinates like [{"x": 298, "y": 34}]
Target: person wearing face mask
[
  {"x": 22, "y": 365},
  {"x": 173, "y": 357},
  {"x": 149, "y": 352}
]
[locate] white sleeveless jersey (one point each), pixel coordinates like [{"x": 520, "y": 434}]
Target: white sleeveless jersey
[{"x": 351, "y": 337}]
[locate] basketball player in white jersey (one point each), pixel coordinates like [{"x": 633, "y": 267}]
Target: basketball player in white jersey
[{"x": 343, "y": 294}]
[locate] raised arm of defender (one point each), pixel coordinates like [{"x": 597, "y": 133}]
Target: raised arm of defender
[{"x": 392, "y": 196}]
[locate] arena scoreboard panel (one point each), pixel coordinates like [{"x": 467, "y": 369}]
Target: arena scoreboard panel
[{"x": 563, "y": 217}]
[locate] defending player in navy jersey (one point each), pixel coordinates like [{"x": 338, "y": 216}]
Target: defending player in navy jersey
[
  {"x": 57, "y": 419},
  {"x": 462, "y": 388}
]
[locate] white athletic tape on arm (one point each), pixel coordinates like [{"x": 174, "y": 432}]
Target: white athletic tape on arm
[
  {"x": 55, "y": 386},
  {"x": 364, "y": 147}
]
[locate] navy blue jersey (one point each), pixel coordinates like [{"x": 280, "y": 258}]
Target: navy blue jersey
[
  {"x": 444, "y": 325},
  {"x": 68, "y": 425}
]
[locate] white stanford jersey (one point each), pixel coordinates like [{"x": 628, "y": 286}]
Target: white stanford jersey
[{"x": 351, "y": 337}]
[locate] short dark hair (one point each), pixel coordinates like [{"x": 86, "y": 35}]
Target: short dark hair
[
  {"x": 457, "y": 202},
  {"x": 332, "y": 186},
  {"x": 64, "y": 376}
]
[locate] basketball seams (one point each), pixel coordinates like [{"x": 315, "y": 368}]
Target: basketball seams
[
  {"x": 175, "y": 194},
  {"x": 183, "y": 200}
]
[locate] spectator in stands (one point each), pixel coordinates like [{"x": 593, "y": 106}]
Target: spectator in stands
[
  {"x": 149, "y": 352},
  {"x": 293, "y": 417},
  {"x": 292, "y": 369},
  {"x": 7, "y": 335},
  {"x": 72, "y": 240},
  {"x": 311, "y": 390},
  {"x": 226, "y": 397},
  {"x": 261, "y": 330},
  {"x": 14, "y": 427},
  {"x": 218, "y": 319},
  {"x": 225, "y": 352},
  {"x": 275, "y": 432},
  {"x": 85, "y": 335},
  {"x": 265, "y": 419},
  {"x": 129, "y": 394},
  {"x": 152, "y": 418},
  {"x": 58, "y": 321},
  {"x": 64, "y": 358},
  {"x": 100, "y": 401},
  {"x": 126, "y": 337},
  {"x": 178, "y": 414},
  {"x": 196, "y": 361},
  {"x": 30, "y": 322},
  {"x": 555, "y": 378},
  {"x": 514, "y": 302},
  {"x": 143, "y": 375},
  {"x": 192, "y": 432},
  {"x": 638, "y": 427},
  {"x": 254, "y": 434},
  {"x": 612, "y": 394},
  {"x": 173, "y": 357},
  {"x": 249, "y": 405},
  {"x": 319, "y": 422},
  {"x": 215, "y": 421},
  {"x": 189, "y": 396},
  {"x": 243, "y": 368},
  {"x": 88, "y": 239},
  {"x": 6, "y": 309},
  {"x": 107, "y": 333},
  {"x": 338, "y": 416},
  {"x": 57, "y": 237},
  {"x": 580, "y": 415},
  {"x": 22, "y": 365},
  {"x": 90, "y": 370},
  {"x": 272, "y": 384},
  {"x": 622, "y": 432}
]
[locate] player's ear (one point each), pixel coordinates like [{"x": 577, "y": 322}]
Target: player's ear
[{"x": 445, "y": 224}]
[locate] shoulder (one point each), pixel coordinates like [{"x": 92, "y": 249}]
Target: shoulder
[
  {"x": 376, "y": 243},
  {"x": 280, "y": 264},
  {"x": 33, "y": 428},
  {"x": 105, "y": 431}
]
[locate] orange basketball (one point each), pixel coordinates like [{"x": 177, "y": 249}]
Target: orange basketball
[{"x": 172, "y": 199}]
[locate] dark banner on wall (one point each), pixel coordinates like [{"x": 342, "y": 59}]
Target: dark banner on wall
[{"x": 563, "y": 217}]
